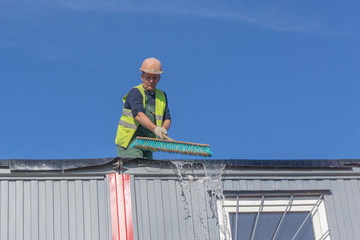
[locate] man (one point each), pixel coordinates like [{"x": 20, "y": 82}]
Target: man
[{"x": 145, "y": 112}]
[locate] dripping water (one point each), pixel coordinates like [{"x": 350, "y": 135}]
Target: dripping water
[{"x": 211, "y": 181}]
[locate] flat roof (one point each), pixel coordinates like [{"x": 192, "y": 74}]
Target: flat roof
[{"x": 67, "y": 164}]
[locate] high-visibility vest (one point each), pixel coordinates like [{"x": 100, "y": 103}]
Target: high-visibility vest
[{"x": 128, "y": 125}]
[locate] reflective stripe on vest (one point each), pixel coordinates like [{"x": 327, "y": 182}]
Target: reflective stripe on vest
[
  {"x": 128, "y": 125},
  {"x": 127, "y": 112}
]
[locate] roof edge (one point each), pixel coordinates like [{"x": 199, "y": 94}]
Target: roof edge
[{"x": 66, "y": 164}]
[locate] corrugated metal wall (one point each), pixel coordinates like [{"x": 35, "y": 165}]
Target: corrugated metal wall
[
  {"x": 166, "y": 209},
  {"x": 170, "y": 209},
  {"x": 51, "y": 209},
  {"x": 163, "y": 207}
]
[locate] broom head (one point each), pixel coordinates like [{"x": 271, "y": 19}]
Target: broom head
[{"x": 154, "y": 144}]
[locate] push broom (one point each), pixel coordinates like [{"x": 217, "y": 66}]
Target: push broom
[{"x": 169, "y": 145}]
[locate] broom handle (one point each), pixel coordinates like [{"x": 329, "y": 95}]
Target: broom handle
[
  {"x": 168, "y": 138},
  {"x": 173, "y": 141}
]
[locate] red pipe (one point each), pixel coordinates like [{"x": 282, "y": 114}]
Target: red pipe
[{"x": 120, "y": 204}]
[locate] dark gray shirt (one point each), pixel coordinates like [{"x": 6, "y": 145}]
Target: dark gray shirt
[{"x": 134, "y": 102}]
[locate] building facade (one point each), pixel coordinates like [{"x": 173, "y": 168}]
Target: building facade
[{"x": 163, "y": 199}]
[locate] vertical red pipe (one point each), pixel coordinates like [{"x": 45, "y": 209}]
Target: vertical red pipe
[
  {"x": 121, "y": 207},
  {"x": 114, "y": 207},
  {"x": 120, "y": 204},
  {"x": 128, "y": 210}
]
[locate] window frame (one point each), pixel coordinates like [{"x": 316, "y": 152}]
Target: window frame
[{"x": 274, "y": 202}]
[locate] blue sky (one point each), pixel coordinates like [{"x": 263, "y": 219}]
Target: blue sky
[{"x": 254, "y": 79}]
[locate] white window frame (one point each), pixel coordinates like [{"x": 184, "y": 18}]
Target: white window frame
[{"x": 313, "y": 204}]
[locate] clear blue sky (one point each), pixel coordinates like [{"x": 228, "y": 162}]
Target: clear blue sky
[{"x": 254, "y": 79}]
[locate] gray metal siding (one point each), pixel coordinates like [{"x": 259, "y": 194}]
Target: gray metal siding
[
  {"x": 166, "y": 208},
  {"x": 169, "y": 209},
  {"x": 54, "y": 209}
]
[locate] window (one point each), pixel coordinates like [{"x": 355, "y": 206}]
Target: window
[{"x": 273, "y": 216}]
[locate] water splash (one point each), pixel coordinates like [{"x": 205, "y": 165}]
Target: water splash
[
  {"x": 179, "y": 166},
  {"x": 211, "y": 182},
  {"x": 183, "y": 185},
  {"x": 213, "y": 185}
]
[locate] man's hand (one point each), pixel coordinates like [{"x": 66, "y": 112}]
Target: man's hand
[{"x": 160, "y": 132}]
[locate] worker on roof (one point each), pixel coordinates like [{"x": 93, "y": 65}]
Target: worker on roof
[{"x": 145, "y": 112}]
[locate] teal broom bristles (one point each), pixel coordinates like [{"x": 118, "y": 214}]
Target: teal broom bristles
[{"x": 154, "y": 144}]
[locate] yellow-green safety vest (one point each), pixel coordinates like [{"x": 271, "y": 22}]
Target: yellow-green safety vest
[{"x": 128, "y": 125}]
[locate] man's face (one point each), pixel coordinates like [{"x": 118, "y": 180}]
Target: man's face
[{"x": 149, "y": 81}]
